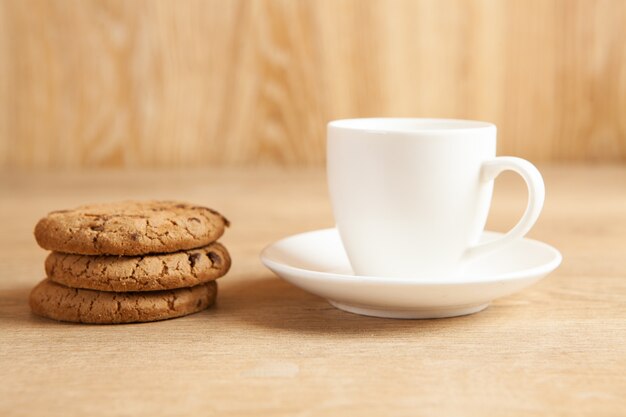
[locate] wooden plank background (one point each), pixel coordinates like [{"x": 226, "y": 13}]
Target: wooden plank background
[{"x": 193, "y": 83}]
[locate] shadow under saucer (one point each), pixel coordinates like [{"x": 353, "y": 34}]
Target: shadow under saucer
[{"x": 270, "y": 302}]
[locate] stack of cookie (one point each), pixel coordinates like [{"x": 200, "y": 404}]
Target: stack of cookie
[{"x": 129, "y": 262}]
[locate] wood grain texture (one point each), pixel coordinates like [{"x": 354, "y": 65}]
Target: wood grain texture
[
  {"x": 557, "y": 348},
  {"x": 198, "y": 83}
]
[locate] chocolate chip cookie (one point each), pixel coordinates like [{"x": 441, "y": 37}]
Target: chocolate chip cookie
[
  {"x": 58, "y": 302},
  {"x": 139, "y": 273},
  {"x": 130, "y": 228}
]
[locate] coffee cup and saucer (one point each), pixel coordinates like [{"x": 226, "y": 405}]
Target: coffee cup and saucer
[{"x": 410, "y": 199}]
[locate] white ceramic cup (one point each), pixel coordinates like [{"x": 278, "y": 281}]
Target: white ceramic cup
[{"x": 411, "y": 196}]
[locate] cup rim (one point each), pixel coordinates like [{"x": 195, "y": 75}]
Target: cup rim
[{"x": 409, "y": 125}]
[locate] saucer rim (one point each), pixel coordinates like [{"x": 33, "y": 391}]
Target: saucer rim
[{"x": 472, "y": 279}]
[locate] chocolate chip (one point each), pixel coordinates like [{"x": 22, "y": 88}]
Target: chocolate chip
[
  {"x": 193, "y": 258},
  {"x": 97, "y": 228},
  {"x": 214, "y": 257},
  {"x": 135, "y": 236}
]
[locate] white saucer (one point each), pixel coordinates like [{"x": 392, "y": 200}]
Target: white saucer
[{"x": 317, "y": 263}]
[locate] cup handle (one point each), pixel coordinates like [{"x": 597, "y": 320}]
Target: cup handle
[{"x": 536, "y": 195}]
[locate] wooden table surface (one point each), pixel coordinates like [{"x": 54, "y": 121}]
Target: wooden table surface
[{"x": 268, "y": 348}]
